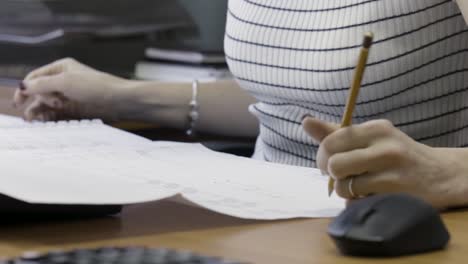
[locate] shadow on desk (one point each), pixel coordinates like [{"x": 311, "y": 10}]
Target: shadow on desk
[
  {"x": 239, "y": 146},
  {"x": 155, "y": 218}
]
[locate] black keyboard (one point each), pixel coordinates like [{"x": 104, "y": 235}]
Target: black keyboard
[{"x": 126, "y": 255}]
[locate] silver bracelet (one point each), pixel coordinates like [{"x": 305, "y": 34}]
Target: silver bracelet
[{"x": 193, "y": 115}]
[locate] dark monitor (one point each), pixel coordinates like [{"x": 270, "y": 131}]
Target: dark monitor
[{"x": 209, "y": 17}]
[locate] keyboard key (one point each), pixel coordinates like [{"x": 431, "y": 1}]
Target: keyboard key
[
  {"x": 31, "y": 256},
  {"x": 113, "y": 255}
]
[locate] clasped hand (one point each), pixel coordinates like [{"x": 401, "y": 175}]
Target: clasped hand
[
  {"x": 382, "y": 159},
  {"x": 67, "y": 89}
]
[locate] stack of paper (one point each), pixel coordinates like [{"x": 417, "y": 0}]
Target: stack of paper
[
  {"x": 162, "y": 71},
  {"x": 91, "y": 163},
  {"x": 183, "y": 56}
]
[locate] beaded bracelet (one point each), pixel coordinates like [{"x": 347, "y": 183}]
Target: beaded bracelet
[{"x": 193, "y": 115}]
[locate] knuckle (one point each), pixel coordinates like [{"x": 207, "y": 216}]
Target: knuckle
[
  {"x": 62, "y": 76},
  {"x": 37, "y": 83},
  {"x": 68, "y": 60},
  {"x": 66, "y": 63},
  {"x": 30, "y": 75},
  {"x": 381, "y": 126},
  {"x": 334, "y": 167},
  {"x": 33, "y": 84},
  {"x": 394, "y": 151},
  {"x": 327, "y": 145}
]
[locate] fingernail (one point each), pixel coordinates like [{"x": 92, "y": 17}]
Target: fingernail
[
  {"x": 22, "y": 86},
  {"x": 306, "y": 116}
]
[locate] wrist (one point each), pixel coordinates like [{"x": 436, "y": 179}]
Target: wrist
[
  {"x": 119, "y": 98},
  {"x": 166, "y": 104},
  {"x": 456, "y": 170}
]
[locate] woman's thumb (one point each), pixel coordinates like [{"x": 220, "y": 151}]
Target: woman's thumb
[{"x": 318, "y": 129}]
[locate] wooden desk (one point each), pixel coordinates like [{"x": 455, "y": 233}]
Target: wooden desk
[{"x": 178, "y": 226}]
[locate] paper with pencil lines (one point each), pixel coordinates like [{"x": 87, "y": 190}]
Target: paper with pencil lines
[{"x": 91, "y": 163}]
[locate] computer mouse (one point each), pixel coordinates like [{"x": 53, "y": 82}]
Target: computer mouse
[{"x": 388, "y": 225}]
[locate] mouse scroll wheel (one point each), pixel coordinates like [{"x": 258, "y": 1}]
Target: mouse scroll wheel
[{"x": 365, "y": 214}]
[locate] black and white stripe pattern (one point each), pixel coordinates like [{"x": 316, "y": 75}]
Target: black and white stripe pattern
[{"x": 297, "y": 57}]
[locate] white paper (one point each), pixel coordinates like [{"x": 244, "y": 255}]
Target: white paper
[
  {"x": 90, "y": 163},
  {"x": 7, "y": 121},
  {"x": 250, "y": 188},
  {"x": 87, "y": 133}
]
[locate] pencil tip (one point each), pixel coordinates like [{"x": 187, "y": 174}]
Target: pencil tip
[
  {"x": 331, "y": 186},
  {"x": 368, "y": 39}
]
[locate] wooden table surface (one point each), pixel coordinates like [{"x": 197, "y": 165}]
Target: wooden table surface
[
  {"x": 178, "y": 226},
  {"x": 169, "y": 224}
]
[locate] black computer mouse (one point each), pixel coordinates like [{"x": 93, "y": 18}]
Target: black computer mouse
[{"x": 388, "y": 225}]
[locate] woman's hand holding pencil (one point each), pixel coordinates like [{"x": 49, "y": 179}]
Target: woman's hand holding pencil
[{"x": 376, "y": 157}]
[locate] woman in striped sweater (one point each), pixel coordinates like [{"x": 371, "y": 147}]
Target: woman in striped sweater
[{"x": 296, "y": 58}]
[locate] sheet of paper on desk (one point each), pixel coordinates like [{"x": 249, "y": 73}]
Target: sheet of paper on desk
[
  {"x": 76, "y": 166},
  {"x": 6, "y": 121},
  {"x": 244, "y": 187},
  {"x": 18, "y": 134}
]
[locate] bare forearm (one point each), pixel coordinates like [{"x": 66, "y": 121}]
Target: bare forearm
[{"x": 223, "y": 106}]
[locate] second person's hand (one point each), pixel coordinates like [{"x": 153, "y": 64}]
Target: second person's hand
[{"x": 67, "y": 89}]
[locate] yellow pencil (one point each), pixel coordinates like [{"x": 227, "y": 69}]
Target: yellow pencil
[{"x": 354, "y": 90}]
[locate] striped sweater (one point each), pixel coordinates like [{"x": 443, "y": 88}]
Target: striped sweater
[{"x": 297, "y": 57}]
